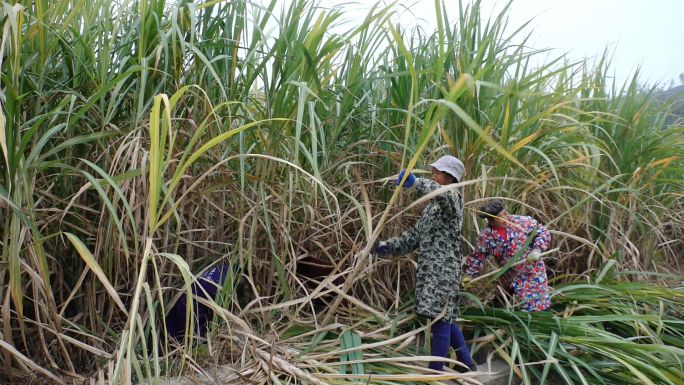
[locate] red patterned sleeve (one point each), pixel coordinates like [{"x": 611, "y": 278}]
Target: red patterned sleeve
[
  {"x": 475, "y": 259},
  {"x": 543, "y": 238}
]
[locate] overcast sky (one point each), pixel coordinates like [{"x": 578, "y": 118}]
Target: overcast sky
[{"x": 646, "y": 33}]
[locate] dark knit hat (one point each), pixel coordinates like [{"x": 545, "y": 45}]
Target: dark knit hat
[{"x": 491, "y": 209}]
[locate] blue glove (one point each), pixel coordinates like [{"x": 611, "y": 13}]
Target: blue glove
[
  {"x": 410, "y": 180},
  {"x": 381, "y": 247}
]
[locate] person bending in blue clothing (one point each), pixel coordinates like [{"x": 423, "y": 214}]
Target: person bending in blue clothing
[{"x": 211, "y": 281}]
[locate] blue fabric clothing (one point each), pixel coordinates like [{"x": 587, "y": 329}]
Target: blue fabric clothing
[
  {"x": 211, "y": 280},
  {"x": 445, "y": 335}
]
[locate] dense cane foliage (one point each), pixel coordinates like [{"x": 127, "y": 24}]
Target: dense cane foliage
[{"x": 145, "y": 140}]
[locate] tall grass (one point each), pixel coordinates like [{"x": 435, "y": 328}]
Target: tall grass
[
  {"x": 605, "y": 331},
  {"x": 143, "y": 141}
]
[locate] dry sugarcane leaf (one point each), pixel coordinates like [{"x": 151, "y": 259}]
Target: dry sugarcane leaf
[{"x": 32, "y": 365}]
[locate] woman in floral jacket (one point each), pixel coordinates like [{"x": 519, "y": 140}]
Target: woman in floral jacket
[
  {"x": 437, "y": 235},
  {"x": 503, "y": 236}
]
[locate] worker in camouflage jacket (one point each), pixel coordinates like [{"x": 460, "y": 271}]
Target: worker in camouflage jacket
[{"x": 437, "y": 235}]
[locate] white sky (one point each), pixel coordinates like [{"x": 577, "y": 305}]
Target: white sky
[{"x": 646, "y": 33}]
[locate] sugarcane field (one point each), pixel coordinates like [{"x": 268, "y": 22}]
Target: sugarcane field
[{"x": 329, "y": 192}]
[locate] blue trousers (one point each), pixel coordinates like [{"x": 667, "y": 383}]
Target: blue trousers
[{"x": 443, "y": 336}]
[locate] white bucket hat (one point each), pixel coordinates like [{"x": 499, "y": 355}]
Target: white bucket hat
[{"x": 450, "y": 165}]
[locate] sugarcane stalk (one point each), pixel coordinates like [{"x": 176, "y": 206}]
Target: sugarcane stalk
[{"x": 515, "y": 264}]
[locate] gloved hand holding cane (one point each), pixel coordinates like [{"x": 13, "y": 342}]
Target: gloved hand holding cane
[
  {"x": 410, "y": 179},
  {"x": 534, "y": 255},
  {"x": 381, "y": 247}
]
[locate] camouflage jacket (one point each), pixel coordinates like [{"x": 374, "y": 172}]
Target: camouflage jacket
[{"x": 438, "y": 236}]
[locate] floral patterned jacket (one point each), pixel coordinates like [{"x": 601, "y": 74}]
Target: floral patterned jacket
[
  {"x": 438, "y": 236},
  {"x": 528, "y": 280}
]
